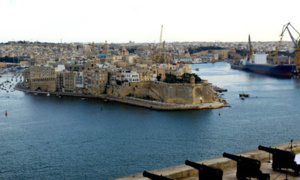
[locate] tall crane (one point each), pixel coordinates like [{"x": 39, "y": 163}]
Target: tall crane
[
  {"x": 250, "y": 50},
  {"x": 160, "y": 46},
  {"x": 160, "y": 39},
  {"x": 296, "y": 43}
]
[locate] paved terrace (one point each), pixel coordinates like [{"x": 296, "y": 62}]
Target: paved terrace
[{"x": 184, "y": 172}]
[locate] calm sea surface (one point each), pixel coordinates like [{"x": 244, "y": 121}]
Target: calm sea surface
[{"x": 67, "y": 138}]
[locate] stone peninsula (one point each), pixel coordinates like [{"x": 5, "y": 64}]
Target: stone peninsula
[{"x": 147, "y": 77}]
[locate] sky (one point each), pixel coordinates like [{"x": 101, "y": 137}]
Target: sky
[{"x": 119, "y": 21}]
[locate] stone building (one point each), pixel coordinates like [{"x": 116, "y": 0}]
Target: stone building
[
  {"x": 40, "y": 78},
  {"x": 95, "y": 81},
  {"x": 130, "y": 76},
  {"x": 69, "y": 83},
  {"x": 59, "y": 81}
]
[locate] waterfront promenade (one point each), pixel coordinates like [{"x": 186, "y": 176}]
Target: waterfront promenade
[
  {"x": 184, "y": 172},
  {"x": 155, "y": 105}
]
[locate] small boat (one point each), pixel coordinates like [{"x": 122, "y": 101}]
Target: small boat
[
  {"x": 48, "y": 94},
  {"x": 197, "y": 69},
  {"x": 244, "y": 95},
  {"x": 83, "y": 99}
]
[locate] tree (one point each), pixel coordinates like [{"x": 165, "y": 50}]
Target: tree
[
  {"x": 170, "y": 78},
  {"x": 186, "y": 77},
  {"x": 158, "y": 77}
]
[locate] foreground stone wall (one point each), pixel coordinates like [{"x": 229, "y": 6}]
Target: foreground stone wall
[{"x": 186, "y": 172}]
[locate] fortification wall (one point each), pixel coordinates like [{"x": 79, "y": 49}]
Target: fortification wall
[
  {"x": 44, "y": 85},
  {"x": 166, "y": 92}
]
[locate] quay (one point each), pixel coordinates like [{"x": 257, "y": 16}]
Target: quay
[
  {"x": 184, "y": 172},
  {"x": 155, "y": 105}
]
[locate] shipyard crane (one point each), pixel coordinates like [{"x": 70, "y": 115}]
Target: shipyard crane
[
  {"x": 250, "y": 50},
  {"x": 275, "y": 54},
  {"x": 296, "y": 42},
  {"x": 286, "y": 27},
  {"x": 160, "y": 39},
  {"x": 160, "y": 47}
]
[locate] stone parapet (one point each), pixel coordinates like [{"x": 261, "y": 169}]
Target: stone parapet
[{"x": 186, "y": 172}]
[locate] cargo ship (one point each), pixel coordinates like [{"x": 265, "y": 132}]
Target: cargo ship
[
  {"x": 257, "y": 63},
  {"x": 286, "y": 70}
]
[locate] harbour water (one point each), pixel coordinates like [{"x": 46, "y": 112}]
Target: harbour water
[{"x": 68, "y": 138}]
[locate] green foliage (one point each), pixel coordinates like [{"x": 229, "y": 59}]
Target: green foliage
[
  {"x": 205, "y": 48},
  {"x": 185, "y": 78},
  {"x": 158, "y": 77},
  {"x": 197, "y": 78},
  {"x": 171, "y": 78}
]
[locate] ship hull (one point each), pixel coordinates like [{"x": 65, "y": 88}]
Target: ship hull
[
  {"x": 274, "y": 70},
  {"x": 238, "y": 66},
  {"x": 285, "y": 70}
]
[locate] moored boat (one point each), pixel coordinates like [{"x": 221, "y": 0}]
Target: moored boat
[{"x": 244, "y": 95}]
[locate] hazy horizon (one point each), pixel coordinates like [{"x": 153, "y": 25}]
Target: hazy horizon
[{"x": 123, "y": 21}]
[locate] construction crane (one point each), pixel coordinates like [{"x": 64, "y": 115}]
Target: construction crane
[
  {"x": 275, "y": 54},
  {"x": 295, "y": 42},
  {"x": 160, "y": 39},
  {"x": 161, "y": 46},
  {"x": 250, "y": 50}
]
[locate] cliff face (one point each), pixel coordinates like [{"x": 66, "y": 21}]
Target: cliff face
[{"x": 187, "y": 93}]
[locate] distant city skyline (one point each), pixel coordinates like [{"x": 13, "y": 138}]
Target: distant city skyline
[{"x": 138, "y": 21}]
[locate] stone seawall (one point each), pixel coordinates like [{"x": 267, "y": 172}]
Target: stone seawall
[
  {"x": 156, "y": 105},
  {"x": 186, "y": 172},
  {"x": 165, "y": 106}
]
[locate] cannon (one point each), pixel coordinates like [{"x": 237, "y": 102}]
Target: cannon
[
  {"x": 154, "y": 176},
  {"x": 282, "y": 159},
  {"x": 247, "y": 167},
  {"x": 206, "y": 172}
]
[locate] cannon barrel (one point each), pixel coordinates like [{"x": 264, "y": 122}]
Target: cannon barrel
[
  {"x": 206, "y": 172},
  {"x": 196, "y": 165},
  {"x": 277, "y": 151},
  {"x": 268, "y": 149},
  {"x": 282, "y": 159},
  {"x": 154, "y": 176},
  {"x": 237, "y": 158},
  {"x": 247, "y": 167}
]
